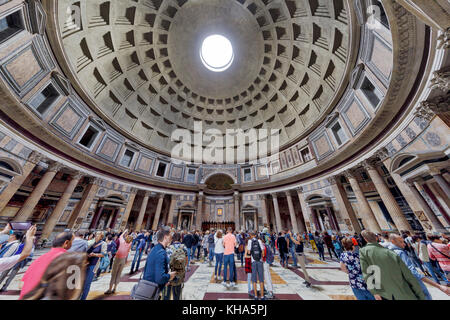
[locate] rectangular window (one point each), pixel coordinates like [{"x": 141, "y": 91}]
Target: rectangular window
[
  {"x": 161, "y": 172},
  {"x": 45, "y": 99},
  {"x": 247, "y": 175},
  {"x": 10, "y": 26},
  {"x": 127, "y": 158},
  {"x": 306, "y": 156},
  {"x": 369, "y": 90},
  {"x": 191, "y": 175},
  {"x": 89, "y": 137},
  {"x": 338, "y": 133}
]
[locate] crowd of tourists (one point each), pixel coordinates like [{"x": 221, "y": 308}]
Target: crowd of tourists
[{"x": 379, "y": 266}]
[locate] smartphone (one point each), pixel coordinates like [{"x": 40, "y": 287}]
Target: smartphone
[{"x": 20, "y": 225}]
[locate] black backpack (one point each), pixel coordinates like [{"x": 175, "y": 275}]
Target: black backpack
[{"x": 256, "y": 251}]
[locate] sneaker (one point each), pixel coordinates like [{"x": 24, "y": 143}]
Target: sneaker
[
  {"x": 233, "y": 284},
  {"x": 308, "y": 285},
  {"x": 270, "y": 295},
  {"x": 263, "y": 298},
  {"x": 256, "y": 298},
  {"x": 250, "y": 294},
  {"x": 225, "y": 284}
]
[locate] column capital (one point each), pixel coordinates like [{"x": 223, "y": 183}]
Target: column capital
[
  {"x": 200, "y": 195},
  {"x": 382, "y": 154},
  {"x": 161, "y": 195},
  {"x": 288, "y": 193},
  {"x": 368, "y": 164},
  {"x": 95, "y": 180},
  {"x": 133, "y": 190},
  {"x": 333, "y": 180},
  {"x": 434, "y": 171},
  {"x": 444, "y": 39},
  {"x": 77, "y": 175},
  {"x": 274, "y": 195},
  {"x": 441, "y": 80},
  {"x": 35, "y": 157},
  {"x": 262, "y": 197},
  {"x": 55, "y": 167},
  {"x": 410, "y": 183},
  {"x": 299, "y": 189},
  {"x": 349, "y": 173}
]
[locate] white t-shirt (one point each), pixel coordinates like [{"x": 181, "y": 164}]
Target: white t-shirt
[
  {"x": 249, "y": 248},
  {"x": 9, "y": 262},
  {"x": 219, "y": 248}
]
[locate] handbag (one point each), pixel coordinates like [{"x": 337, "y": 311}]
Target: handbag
[{"x": 145, "y": 290}]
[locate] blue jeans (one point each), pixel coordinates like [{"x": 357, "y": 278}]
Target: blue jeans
[
  {"x": 193, "y": 251},
  {"x": 211, "y": 254},
  {"x": 219, "y": 262},
  {"x": 228, "y": 261},
  {"x": 136, "y": 260},
  {"x": 362, "y": 294},
  {"x": 435, "y": 273},
  {"x": 87, "y": 283},
  {"x": 241, "y": 257},
  {"x": 294, "y": 256},
  {"x": 189, "y": 256}
]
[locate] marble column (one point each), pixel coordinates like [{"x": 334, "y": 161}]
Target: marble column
[
  {"x": 138, "y": 224},
  {"x": 279, "y": 226},
  {"x": 114, "y": 219},
  {"x": 411, "y": 195},
  {"x": 173, "y": 202},
  {"x": 365, "y": 212},
  {"x": 96, "y": 218},
  {"x": 294, "y": 221},
  {"x": 388, "y": 199},
  {"x": 436, "y": 174},
  {"x": 331, "y": 217},
  {"x": 158, "y": 211},
  {"x": 435, "y": 222},
  {"x": 27, "y": 209},
  {"x": 82, "y": 208},
  {"x": 306, "y": 212},
  {"x": 60, "y": 206},
  {"x": 264, "y": 212},
  {"x": 237, "y": 218},
  {"x": 128, "y": 208},
  {"x": 17, "y": 181},
  {"x": 199, "y": 211},
  {"x": 345, "y": 207}
]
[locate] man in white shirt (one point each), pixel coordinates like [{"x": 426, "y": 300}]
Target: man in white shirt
[
  {"x": 9, "y": 262},
  {"x": 255, "y": 249}
]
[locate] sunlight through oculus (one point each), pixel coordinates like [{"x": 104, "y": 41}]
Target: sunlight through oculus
[{"x": 217, "y": 53}]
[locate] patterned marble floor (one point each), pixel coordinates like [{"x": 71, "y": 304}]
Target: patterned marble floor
[{"x": 328, "y": 283}]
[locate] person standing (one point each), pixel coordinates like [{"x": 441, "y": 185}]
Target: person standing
[
  {"x": 268, "y": 258},
  {"x": 205, "y": 246},
  {"x": 329, "y": 243},
  {"x": 299, "y": 252},
  {"x": 188, "y": 242},
  {"x": 312, "y": 242},
  {"x": 291, "y": 245},
  {"x": 211, "y": 246},
  {"x": 320, "y": 245},
  {"x": 219, "y": 250},
  {"x": 125, "y": 243},
  {"x": 157, "y": 267},
  {"x": 440, "y": 252},
  {"x": 95, "y": 253},
  {"x": 430, "y": 265},
  {"x": 177, "y": 255},
  {"x": 33, "y": 275},
  {"x": 386, "y": 275},
  {"x": 241, "y": 247},
  {"x": 337, "y": 246},
  {"x": 9, "y": 262},
  {"x": 140, "y": 248},
  {"x": 229, "y": 243},
  {"x": 350, "y": 264},
  {"x": 79, "y": 243},
  {"x": 283, "y": 249},
  {"x": 255, "y": 249}
]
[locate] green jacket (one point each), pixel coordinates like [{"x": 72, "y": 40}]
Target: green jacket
[{"x": 396, "y": 280}]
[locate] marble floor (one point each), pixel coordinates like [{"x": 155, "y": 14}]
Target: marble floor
[{"x": 328, "y": 283}]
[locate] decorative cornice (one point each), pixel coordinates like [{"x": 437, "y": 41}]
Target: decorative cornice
[
  {"x": 349, "y": 174},
  {"x": 368, "y": 164},
  {"x": 78, "y": 175},
  {"x": 382, "y": 154},
  {"x": 55, "y": 167},
  {"x": 35, "y": 157}
]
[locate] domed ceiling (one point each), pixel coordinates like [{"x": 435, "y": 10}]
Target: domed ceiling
[{"x": 138, "y": 63}]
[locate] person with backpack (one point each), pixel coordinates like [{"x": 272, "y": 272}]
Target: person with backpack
[
  {"x": 255, "y": 249},
  {"x": 105, "y": 262},
  {"x": 337, "y": 246},
  {"x": 320, "y": 245},
  {"x": 291, "y": 245},
  {"x": 188, "y": 242},
  {"x": 248, "y": 270},
  {"x": 178, "y": 258},
  {"x": 241, "y": 247},
  {"x": 205, "y": 246}
]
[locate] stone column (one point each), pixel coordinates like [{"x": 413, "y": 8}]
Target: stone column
[
  {"x": 114, "y": 219},
  {"x": 388, "y": 199},
  {"x": 306, "y": 212},
  {"x": 333, "y": 222},
  {"x": 199, "y": 210},
  {"x": 345, "y": 207},
  {"x": 17, "y": 181},
  {"x": 277, "y": 212},
  {"x": 138, "y": 224},
  {"x": 411, "y": 194},
  {"x": 237, "y": 218},
  {"x": 82, "y": 208},
  {"x": 96, "y": 218},
  {"x": 436, "y": 173},
  {"x": 264, "y": 212},
  {"x": 435, "y": 222},
  {"x": 158, "y": 211},
  {"x": 173, "y": 202},
  {"x": 27, "y": 209},
  {"x": 128, "y": 208},
  {"x": 365, "y": 212},
  {"x": 60, "y": 206},
  {"x": 292, "y": 212}
]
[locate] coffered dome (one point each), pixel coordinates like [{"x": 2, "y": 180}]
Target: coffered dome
[{"x": 138, "y": 64}]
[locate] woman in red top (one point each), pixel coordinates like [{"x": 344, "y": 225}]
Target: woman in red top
[
  {"x": 439, "y": 251},
  {"x": 119, "y": 261}
]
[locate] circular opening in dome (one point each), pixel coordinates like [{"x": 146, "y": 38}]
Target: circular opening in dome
[{"x": 217, "y": 53}]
